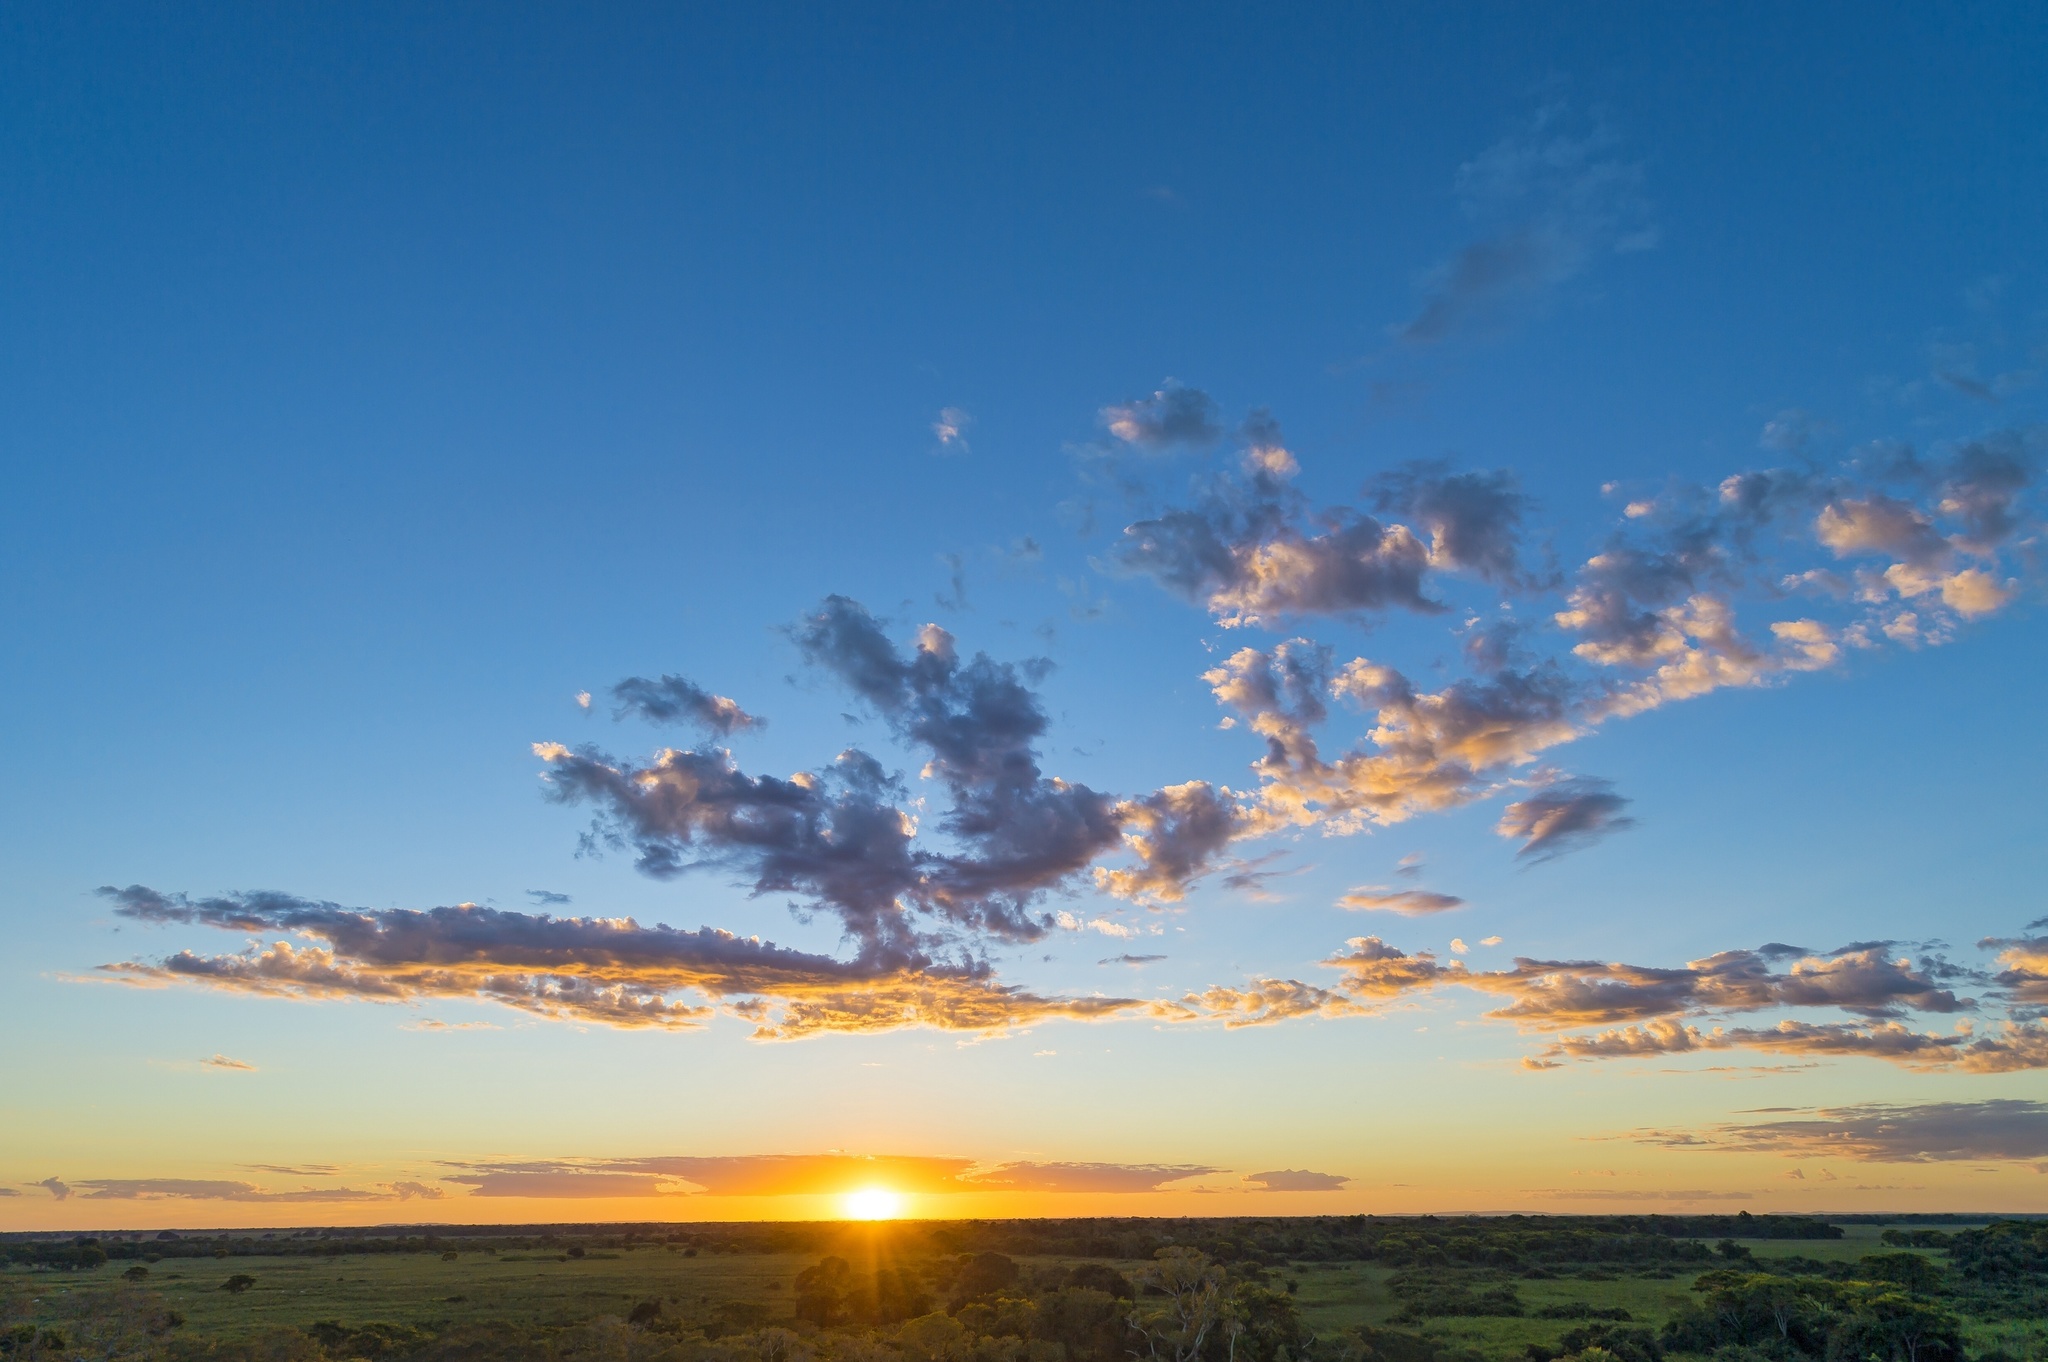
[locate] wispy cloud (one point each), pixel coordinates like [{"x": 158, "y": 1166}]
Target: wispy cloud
[
  {"x": 205, "y": 1189},
  {"x": 1548, "y": 201},
  {"x": 1998, "y": 1130},
  {"x": 950, "y": 430},
  {"x": 1407, "y": 902},
  {"x": 1085, "y": 1177}
]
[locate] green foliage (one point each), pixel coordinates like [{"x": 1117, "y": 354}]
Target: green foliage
[{"x": 1427, "y": 1294}]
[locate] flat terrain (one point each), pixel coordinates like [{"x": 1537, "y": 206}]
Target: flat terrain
[{"x": 551, "y": 1289}]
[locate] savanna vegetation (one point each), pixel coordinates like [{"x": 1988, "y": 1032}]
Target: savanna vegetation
[{"x": 1332, "y": 1289}]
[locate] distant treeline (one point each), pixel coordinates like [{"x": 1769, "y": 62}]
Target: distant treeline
[{"x": 1404, "y": 1241}]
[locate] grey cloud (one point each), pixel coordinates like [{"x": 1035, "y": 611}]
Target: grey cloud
[
  {"x": 1550, "y": 203},
  {"x": 1474, "y": 520},
  {"x": 838, "y": 837},
  {"x": 1296, "y": 1180},
  {"x": 2001, "y": 1129},
  {"x": 1554, "y": 994},
  {"x": 1564, "y": 817},
  {"x": 1025, "y": 833},
  {"x": 1407, "y": 902},
  {"x": 1129, "y": 959},
  {"x": 56, "y": 1187},
  {"x": 1251, "y": 550},
  {"x": 2024, "y": 962},
  {"x": 844, "y": 840},
  {"x": 956, "y": 574},
  {"x": 1174, "y": 415},
  {"x": 548, "y": 898},
  {"x": 1176, "y": 835},
  {"x": 1966, "y": 385},
  {"x": 674, "y": 699},
  {"x": 2016, "y": 1047},
  {"x": 609, "y": 971}
]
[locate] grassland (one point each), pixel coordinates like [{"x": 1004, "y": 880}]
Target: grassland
[{"x": 548, "y": 1288}]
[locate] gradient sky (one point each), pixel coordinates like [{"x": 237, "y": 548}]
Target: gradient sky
[{"x": 1488, "y": 563}]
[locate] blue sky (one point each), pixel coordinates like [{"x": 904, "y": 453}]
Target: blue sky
[{"x": 377, "y": 380}]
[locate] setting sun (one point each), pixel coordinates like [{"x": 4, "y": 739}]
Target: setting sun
[{"x": 873, "y": 1203}]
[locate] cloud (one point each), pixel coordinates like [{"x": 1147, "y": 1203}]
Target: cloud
[
  {"x": 1549, "y": 203},
  {"x": 1175, "y": 415},
  {"x": 564, "y": 1185},
  {"x": 56, "y": 1187},
  {"x": 1128, "y": 959},
  {"x": 208, "y": 1189},
  {"x": 410, "y": 1191},
  {"x": 1865, "y": 980},
  {"x": 1176, "y": 835},
  {"x": 1296, "y": 1180},
  {"x": 548, "y": 898},
  {"x": 950, "y": 430},
  {"x": 805, "y": 1175},
  {"x": 1998, "y": 1130},
  {"x": 1023, "y": 833},
  {"x": 1373, "y": 969},
  {"x": 1430, "y": 751},
  {"x": 1085, "y": 1177},
  {"x": 2025, "y": 965},
  {"x": 674, "y": 699},
  {"x": 1651, "y": 619},
  {"x": 230, "y": 1065},
  {"x": 610, "y": 971},
  {"x": 1262, "y": 1002},
  {"x": 296, "y": 1170},
  {"x": 1250, "y": 555},
  {"x": 1564, "y": 817},
  {"x": 1474, "y": 520},
  {"x": 2015, "y": 1047},
  {"x": 928, "y": 870},
  {"x": 10, "y": 1191},
  {"x": 1407, "y": 902}
]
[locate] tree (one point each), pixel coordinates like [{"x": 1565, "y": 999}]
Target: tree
[
  {"x": 238, "y": 1283},
  {"x": 1193, "y": 1287},
  {"x": 1893, "y": 1326},
  {"x": 982, "y": 1274},
  {"x": 821, "y": 1291},
  {"x": 1916, "y": 1272},
  {"x": 1102, "y": 1277}
]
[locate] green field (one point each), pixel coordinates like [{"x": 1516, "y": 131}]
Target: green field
[{"x": 542, "y": 1285}]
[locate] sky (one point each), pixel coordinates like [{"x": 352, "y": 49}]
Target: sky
[{"x": 672, "y": 613}]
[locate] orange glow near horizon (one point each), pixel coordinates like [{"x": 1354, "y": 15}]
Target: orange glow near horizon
[{"x": 873, "y": 1203}]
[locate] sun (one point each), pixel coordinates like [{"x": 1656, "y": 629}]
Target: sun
[{"x": 873, "y": 1203}]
